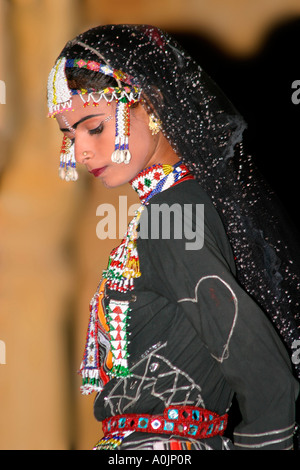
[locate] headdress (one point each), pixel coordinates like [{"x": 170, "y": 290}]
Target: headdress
[
  {"x": 60, "y": 96},
  {"x": 206, "y": 131}
]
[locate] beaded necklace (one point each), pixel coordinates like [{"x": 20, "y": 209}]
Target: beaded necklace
[
  {"x": 158, "y": 178},
  {"x": 101, "y": 360},
  {"x": 123, "y": 265}
]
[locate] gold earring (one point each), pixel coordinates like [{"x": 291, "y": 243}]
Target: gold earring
[{"x": 154, "y": 124}]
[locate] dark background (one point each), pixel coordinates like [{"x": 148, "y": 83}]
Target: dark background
[{"x": 260, "y": 87}]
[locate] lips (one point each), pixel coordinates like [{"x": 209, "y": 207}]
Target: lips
[{"x": 97, "y": 171}]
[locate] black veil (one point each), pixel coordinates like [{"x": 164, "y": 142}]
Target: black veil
[{"x": 206, "y": 131}]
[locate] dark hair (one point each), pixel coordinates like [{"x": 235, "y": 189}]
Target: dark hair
[
  {"x": 84, "y": 79},
  {"x": 87, "y": 79}
]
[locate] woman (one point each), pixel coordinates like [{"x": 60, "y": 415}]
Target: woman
[{"x": 178, "y": 325}]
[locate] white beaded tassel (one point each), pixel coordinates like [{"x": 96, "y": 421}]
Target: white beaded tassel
[
  {"x": 121, "y": 153},
  {"x": 71, "y": 172},
  {"x": 58, "y": 94},
  {"x": 67, "y": 168}
]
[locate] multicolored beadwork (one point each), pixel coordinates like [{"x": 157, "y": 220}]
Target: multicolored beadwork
[
  {"x": 121, "y": 153},
  {"x": 106, "y": 353},
  {"x": 59, "y": 95},
  {"x": 123, "y": 265},
  {"x": 106, "y": 350},
  {"x": 111, "y": 441},
  {"x": 126, "y": 94},
  {"x": 158, "y": 178},
  {"x": 117, "y": 315},
  {"x": 94, "y": 368},
  {"x": 60, "y": 100},
  {"x": 98, "y": 67},
  {"x": 67, "y": 168}
]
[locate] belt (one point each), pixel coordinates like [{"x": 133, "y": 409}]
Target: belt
[{"x": 187, "y": 421}]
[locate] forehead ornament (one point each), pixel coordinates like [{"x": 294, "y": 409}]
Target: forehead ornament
[{"x": 59, "y": 97}]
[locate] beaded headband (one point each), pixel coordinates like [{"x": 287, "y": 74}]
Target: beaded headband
[
  {"x": 59, "y": 97},
  {"x": 98, "y": 67}
]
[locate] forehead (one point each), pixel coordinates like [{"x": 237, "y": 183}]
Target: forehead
[{"x": 83, "y": 109}]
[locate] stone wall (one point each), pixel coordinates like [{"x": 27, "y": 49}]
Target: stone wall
[{"x": 50, "y": 256}]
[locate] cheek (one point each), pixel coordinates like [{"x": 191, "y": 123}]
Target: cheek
[
  {"x": 104, "y": 145},
  {"x": 140, "y": 142},
  {"x": 101, "y": 145}
]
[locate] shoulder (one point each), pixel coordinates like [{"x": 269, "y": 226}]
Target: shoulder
[
  {"x": 183, "y": 218},
  {"x": 189, "y": 195},
  {"x": 189, "y": 203},
  {"x": 184, "y": 192}
]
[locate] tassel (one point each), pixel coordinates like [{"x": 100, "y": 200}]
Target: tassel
[
  {"x": 67, "y": 168},
  {"x": 121, "y": 153}
]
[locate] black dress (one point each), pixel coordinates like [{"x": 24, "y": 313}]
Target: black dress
[{"x": 195, "y": 337}]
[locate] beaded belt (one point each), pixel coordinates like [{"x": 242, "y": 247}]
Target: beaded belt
[{"x": 187, "y": 421}]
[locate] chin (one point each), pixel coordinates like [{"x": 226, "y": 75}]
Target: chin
[{"x": 111, "y": 184}]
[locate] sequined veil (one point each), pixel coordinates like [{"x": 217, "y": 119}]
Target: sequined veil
[{"x": 206, "y": 131}]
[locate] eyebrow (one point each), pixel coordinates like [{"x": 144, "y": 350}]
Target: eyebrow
[{"x": 85, "y": 118}]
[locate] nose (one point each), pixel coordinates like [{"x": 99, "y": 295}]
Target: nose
[{"x": 83, "y": 156}]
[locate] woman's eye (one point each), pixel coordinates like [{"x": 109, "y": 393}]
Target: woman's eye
[{"x": 97, "y": 130}]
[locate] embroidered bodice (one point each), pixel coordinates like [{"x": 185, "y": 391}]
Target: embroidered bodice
[{"x": 107, "y": 330}]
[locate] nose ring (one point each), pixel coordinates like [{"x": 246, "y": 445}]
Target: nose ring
[{"x": 84, "y": 153}]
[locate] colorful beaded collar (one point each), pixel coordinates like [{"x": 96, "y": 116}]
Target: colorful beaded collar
[{"x": 158, "y": 178}]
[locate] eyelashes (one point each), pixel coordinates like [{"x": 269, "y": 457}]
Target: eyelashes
[{"x": 97, "y": 129}]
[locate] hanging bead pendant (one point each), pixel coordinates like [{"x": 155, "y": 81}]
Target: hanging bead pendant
[
  {"x": 67, "y": 168},
  {"x": 121, "y": 153}
]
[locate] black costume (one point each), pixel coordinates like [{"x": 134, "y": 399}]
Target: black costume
[
  {"x": 197, "y": 319},
  {"x": 200, "y": 353}
]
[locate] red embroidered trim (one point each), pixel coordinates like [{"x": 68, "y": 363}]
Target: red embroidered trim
[{"x": 187, "y": 421}]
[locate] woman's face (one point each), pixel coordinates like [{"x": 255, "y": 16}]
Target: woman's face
[{"x": 92, "y": 130}]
